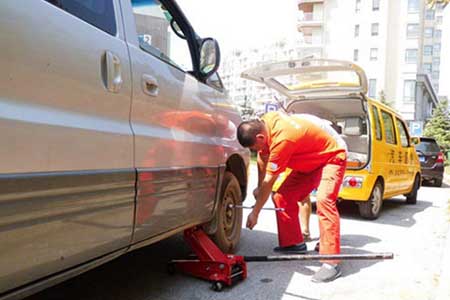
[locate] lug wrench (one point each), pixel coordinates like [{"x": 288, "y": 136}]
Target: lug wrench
[{"x": 251, "y": 207}]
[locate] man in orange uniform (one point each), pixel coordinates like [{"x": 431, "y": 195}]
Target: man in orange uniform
[{"x": 317, "y": 161}]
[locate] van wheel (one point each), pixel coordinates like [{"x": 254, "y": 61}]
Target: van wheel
[
  {"x": 437, "y": 182},
  {"x": 371, "y": 208},
  {"x": 229, "y": 220},
  {"x": 411, "y": 198}
]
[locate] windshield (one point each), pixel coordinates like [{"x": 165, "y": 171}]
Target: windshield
[{"x": 427, "y": 146}]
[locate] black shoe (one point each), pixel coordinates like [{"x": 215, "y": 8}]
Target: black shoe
[
  {"x": 317, "y": 247},
  {"x": 294, "y": 249},
  {"x": 327, "y": 273}
]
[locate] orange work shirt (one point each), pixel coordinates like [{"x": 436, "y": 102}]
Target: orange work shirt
[{"x": 298, "y": 144}]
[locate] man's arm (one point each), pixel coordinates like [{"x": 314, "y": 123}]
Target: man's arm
[
  {"x": 264, "y": 191},
  {"x": 262, "y": 165}
]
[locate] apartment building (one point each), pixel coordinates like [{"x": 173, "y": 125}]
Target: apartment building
[{"x": 398, "y": 44}]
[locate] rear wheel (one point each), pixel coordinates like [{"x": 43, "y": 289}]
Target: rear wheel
[
  {"x": 411, "y": 198},
  {"x": 437, "y": 182},
  {"x": 229, "y": 219},
  {"x": 371, "y": 208}
]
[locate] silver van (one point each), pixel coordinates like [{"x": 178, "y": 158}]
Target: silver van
[{"x": 115, "y": 133}]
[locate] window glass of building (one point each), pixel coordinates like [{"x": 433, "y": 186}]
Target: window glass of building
[
  {"x": 389, "y": 131},
  {"x": 356, "y": 30},
  {"x": 355, "y": 54},
  {"x": 438, "y": 33},
  {"x": 98, "y": 13},
  {"x": 373, "y": 54},
  {"x": 157, "y": 37},
  {"x": 436, "y": 62},
  {"x": 429, "y": 14},
  {"x": 411, "y": 56},
  {"x": 439, "y": 20},
  {"x": 376, "y": 117},
  {"x": 428, "y": 32},
  {"x": 427, "y": 68},
  {"x": 372, "y": 88},
  {"x": 428, "y": 50},
  {"x": 404, "y": 138},
  {"x": 437, "y": 49},
  {"x": 375, "y": 5},
  {"x": 409, "y": 91},
  {"x": 374, "y": 29},
  {"x": 413, "y": 6},
  {"x": 412, "y": 31},
  {"x": 358, "y": 6},
  {"x": 435, "y": 75}
]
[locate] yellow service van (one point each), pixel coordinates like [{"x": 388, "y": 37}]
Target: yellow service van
[{"x": 382, "y": 161}]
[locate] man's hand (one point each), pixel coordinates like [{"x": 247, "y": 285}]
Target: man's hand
[
  {"x": 255, "y": 193},
  {"x": 252, "y": 219}
]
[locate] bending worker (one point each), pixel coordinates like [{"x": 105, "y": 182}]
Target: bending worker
[{"x": 317, "y": 161}]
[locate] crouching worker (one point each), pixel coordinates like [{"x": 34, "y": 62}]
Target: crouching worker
[{"x": 317, "y": 160}]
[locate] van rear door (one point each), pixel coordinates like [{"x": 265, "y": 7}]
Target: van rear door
[{"x": 296, "y": 79}]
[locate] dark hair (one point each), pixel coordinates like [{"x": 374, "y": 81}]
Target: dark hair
[{"x": 247, "y": 131}]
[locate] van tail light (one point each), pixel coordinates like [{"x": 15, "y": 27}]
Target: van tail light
[
  {"x": 440, "y": 158},
  {"x": 353, "y": 182}
]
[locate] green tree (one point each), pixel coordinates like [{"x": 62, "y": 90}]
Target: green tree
[
  {"x": 438, "y": 126},
  {"x": 382, "y": 97},
  {"x": 246, "y": 109}
]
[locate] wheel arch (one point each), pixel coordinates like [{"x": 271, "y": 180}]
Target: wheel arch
[{"x": 236, "y": 165}]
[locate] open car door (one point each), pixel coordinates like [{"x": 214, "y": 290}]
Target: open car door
[{"x": 297, "y": 79}]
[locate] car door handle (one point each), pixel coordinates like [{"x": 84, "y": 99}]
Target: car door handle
[
  {"x": 112, "y": 72},
  {"x": 150, "y": 85}
]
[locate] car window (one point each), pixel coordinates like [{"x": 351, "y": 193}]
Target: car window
[
  {"x": 99, "y": 13},
  {"x": 389, "y": 131},
  {"x": 427, "y": 146},
  {"x": 156, "y": 35},
  {"x": 376, "y": 118},
  {"x": 404, "y": 138},
  {"x": 215, "y": 81}
]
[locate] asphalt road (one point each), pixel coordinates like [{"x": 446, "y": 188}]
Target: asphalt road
[{"x": 416, "y": 234}]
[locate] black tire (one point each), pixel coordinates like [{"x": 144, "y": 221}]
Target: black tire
[
  {"x": 229, "y": 220},
  {"x": 217, "y": 286},
  {"x": 437, "y": 182},
  {"x": 371, "y": 208},
  {"x": 411, "y": 198}
]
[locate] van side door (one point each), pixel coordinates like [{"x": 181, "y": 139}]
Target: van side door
[
  {"x": 66, "y": 171},
  {"x": 391, "y": 153},
  {"x": 405, "y": 157},
  {"x": 177, "y": 154}
]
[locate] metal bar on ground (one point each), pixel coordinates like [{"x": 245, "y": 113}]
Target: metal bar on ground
[
  {"x": 251, "y": 207},
  {"x": 368, "y": 256}
]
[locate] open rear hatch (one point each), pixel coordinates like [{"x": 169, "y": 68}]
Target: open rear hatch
[{"x": 330, "y": 89}]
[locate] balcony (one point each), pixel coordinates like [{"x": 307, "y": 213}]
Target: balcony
[
  {"x": 300, "y": 2},
  {"x": 309, "y": 19}
]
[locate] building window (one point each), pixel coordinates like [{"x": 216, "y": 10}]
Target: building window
[
  {"x": 358, "y": 6},
  {"x": 435, "y": 75},
  {"x": 413, "y": 6},
  {"x": 375, "y": 5},
  {"x": 412, "y": 31},
  {"x": 372, "y": 88},
  {"x": 411, "y": 56},
  {"x": 429, "y": 14},
  {"x": 428, "y": 50},
  {"x": 439, "y": 20},
  {"x": 374, "y": 30},
  {"x": 356, "y": 30},
  {"x": 355, "y": 54},
  {"x": 428, "y": 32},
  {"x": 373, "y": 54},
  {"x": 427, "y": 68},
  {"x": 438, "y": 33},
  {"x": 436, "y": 63},
  {"x": 437, "y": 49},
  {"x": 409, "y": 91}
]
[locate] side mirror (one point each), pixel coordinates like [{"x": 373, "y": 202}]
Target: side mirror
[
  {"x": 415, "y": 140},
  {"x": 209, "y": 57}
]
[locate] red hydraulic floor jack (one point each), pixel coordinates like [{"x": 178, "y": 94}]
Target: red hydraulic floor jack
[{"x": 227, "y": 269}]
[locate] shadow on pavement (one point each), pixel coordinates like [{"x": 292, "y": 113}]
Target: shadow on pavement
[{"x": 142, "y": 274}]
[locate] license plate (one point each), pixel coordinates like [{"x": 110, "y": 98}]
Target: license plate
[{"x": 421, "y": 158}]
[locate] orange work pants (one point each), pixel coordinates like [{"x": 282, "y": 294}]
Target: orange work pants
[{"x": 296, "y": 187}]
